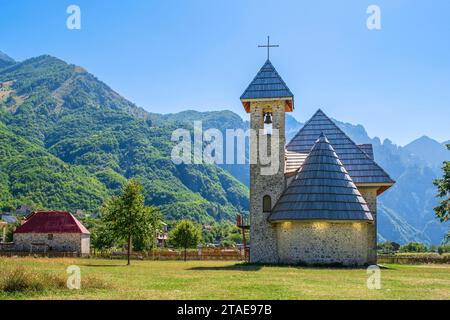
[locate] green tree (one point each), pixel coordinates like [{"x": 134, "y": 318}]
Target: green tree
[
  {"x": 386, "y": 247},
  {"x": 127, "y": 217},
  {"x": 446, "y": 239},
  {"x": 413, "y": 247},
  {"x": 443, "y": 185},
  {"x": 186, "y": 234},
  {"x": 10, "y": 228}
]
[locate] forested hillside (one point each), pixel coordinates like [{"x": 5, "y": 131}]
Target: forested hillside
[{"x": 79, "y": 120}]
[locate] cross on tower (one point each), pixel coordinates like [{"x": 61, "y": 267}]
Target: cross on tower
[{"x": 268, "y": 46}]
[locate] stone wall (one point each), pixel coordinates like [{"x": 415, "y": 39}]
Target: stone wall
[
  {"x": 370, "y": 195},
  {"x": 85, "y": 244},
  {"x": 263, "y": 246},
  {"x": 323, "y": 242},
  {"x": 61, "y": 242}
]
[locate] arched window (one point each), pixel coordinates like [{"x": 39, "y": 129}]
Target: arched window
[
  {"x": 268, "y": 122},
  {"x": 267, "y": 204}
]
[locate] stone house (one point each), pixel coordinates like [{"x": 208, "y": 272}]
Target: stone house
[
  {"x": 319, "y": 206},
  {"x": 55, "y": 231}
]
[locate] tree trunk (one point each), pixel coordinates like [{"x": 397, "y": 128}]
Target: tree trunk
[
  {"x": 129, "y": 249},
  {"x": 185, "y": 249}
]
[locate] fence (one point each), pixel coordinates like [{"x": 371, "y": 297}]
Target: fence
[
  {"x": 414, "y": 259},
  {"x": 200, "y": 254},
  {"x": 48, "y": 254}
]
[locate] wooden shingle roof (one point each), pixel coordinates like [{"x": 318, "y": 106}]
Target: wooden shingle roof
[
  {"x": 357, "y": 160},
  {"x": 293, "y": 162},
  {"x": 267, "y": 85},
  {"x": 321, "y": 190}
]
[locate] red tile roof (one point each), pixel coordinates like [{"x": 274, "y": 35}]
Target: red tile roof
[{"x": 52, "y": 222}]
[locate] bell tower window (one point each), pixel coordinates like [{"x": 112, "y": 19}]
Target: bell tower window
[
  {"x": 267, "y": 204},
  {"x": 268, "y": 121}
]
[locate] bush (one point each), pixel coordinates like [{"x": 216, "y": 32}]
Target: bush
[
  {"x": 19, "y": 280},
  {"x": 413, "y": 247}
]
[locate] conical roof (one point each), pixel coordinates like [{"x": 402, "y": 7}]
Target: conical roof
[
  {"x": 360, "y": 165},
  {"x": 266, "y": 85},
  {"x": 321, "y": 190}
]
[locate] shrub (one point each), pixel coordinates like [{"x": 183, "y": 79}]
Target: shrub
[
  {"x": 413, "y": 247},
  {"x": 19, "y": 280}
]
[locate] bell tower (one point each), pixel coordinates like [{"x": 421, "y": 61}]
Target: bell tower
[{"x": 266, "y": 99}]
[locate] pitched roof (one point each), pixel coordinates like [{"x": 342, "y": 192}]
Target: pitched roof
[
  {"x": 293, "y": 162},
  {"x": 267, "y": 84},
  {"x": 368, "y": 149},
  {"x": 52, "y": 222},
  {"x": 360, "y": 166},
  {"x": 322, "y": 189}
]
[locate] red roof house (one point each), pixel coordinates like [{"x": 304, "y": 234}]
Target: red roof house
[{"x": 52, "y": 231}]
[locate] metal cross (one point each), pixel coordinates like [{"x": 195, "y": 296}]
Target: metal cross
[{"x": 268, "y": 46}]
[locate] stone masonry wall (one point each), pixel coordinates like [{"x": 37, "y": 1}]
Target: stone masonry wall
[
  {"x": 323, "y": 242},
  {"x": 370, "y": 195},
  {"x": 263, "y": 246},
  {"x": 61, "y": 242}
]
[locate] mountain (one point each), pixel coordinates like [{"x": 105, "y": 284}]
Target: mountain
[
  {"x": 5, "y": 60},
  {"x": 428, "y": 151},
  {"x": 67, "y": 112},
  {"x": 29, "y": 174}
]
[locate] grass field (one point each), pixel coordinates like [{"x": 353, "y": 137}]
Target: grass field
[{"x": 228, "y": 280}]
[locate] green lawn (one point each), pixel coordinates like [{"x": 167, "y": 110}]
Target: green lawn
[{"x": 228, "y": 280}]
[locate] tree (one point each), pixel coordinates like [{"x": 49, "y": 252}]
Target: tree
[
  {"x": 127, "y": 217},
  {"x": 413, "y": 247},
  {"x": 443, "y": 185},
  {"x": 185, "y": 235},
  {"x": 10, "y": 228},
  {"x": 386, "y": 247}
]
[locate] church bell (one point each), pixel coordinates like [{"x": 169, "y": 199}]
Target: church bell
[{"x": 268, "y": 118}]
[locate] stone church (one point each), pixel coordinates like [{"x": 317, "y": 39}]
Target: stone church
[{"x": 320, "y": 207}]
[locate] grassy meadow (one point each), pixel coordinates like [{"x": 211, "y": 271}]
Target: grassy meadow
[{"x": 112, "y": 279}]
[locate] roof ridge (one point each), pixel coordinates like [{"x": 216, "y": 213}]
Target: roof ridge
[
  {"x": 296, "y": 205},
  {"x": 353, "y": 144},
  {"x": 267, "y": 67}
]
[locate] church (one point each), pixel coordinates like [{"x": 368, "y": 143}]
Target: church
[{"x": 320, "y": 207}]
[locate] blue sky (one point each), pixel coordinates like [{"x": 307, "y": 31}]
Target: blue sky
[{"x": 168, "y": 56}]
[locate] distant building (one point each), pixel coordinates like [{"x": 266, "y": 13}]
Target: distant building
[
  {"x": 3, "y": 226},
  {"x": 52, "y": 231},
  {"x": 24, "y": 210},
  {"x": 162, "y": 236},
  {"x": 8, "y": 218}
]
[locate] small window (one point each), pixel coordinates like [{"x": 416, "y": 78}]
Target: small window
[
  {"x": 268, "y": 122},
  {"x": 267, "y": 204},
  {"x": 50, "y": 237}
]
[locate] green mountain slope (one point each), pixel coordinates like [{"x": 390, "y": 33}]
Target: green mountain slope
[
  {"x": 5, "y": 60},
  {"x": 81, "y": 121},
  {"x": 29, "y": 174}
]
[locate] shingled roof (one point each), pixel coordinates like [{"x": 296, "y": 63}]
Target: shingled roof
[
  {"x": 357, "y": 160},
  {"x": 266, "y": 85},
  {"x": 321, "y": 190},
  {"x": 52, "y": 222}
]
